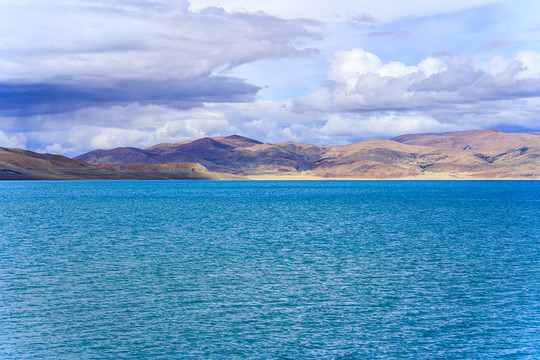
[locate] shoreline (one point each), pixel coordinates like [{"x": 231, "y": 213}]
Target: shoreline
[
  {"x": 291, "y": 178},
  {"x": 442, "y": 177}
]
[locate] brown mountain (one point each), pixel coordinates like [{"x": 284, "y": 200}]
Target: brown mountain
[
  {"x": 16, "y": 164},
  {"x": 485, "y": 141},
  {"x": 233, "y": 154},
  {"x": 466, "y": 154}
]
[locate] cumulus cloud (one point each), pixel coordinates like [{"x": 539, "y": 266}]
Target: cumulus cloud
[
  {"x": 56, "y": 148},
  {"x": 384, "y": 124},
  {"x": 60, "y": 56},
  {"x": 362, "y": 98},
  {"x": 145, "y": 125},
  {"x": 360, "y": 81},
  {"x": 17, "y": 140},
  {"x": 122, "y": 125},
  {"x": 101, "y": 39}
]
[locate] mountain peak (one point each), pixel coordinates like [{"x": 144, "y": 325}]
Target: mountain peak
[
  {"x": 472, "y": 153},
  {"x": 239, "y": 141}
]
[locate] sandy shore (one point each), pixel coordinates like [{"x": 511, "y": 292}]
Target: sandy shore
[{"x": 425, "y": 176}]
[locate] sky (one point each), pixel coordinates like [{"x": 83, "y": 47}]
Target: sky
[{"x": 78, "y": 75}]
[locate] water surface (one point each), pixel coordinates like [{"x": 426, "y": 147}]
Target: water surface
[{"x": 331, "y": 269}]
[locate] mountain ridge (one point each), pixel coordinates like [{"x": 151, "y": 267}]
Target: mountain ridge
[
  {"x": 17, "y": 164},
  {"x": 471, "y": 154}
]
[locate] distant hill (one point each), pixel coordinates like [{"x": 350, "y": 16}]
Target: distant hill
[
  {"x": 486, "y": 141},
  {"x": 474, "y": 154},
  {"x": 16, "y": 164},
  {"x": 466, "y": 154}
]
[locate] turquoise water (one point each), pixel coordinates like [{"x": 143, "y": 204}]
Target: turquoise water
[{"x": 337, "y": 269}]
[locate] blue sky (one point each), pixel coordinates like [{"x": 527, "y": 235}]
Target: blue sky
[{"x": 79, "y": 75}]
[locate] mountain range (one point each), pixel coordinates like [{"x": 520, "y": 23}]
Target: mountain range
[
  {"x": 16, "y": 164},
  {"x": 473, "y": 154}
]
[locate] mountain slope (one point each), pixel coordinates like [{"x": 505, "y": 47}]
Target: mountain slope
[
  {"x": 486, "y": 141},
  {"x": 16, "y": 164},
  {"x": 466, "y": 154}
]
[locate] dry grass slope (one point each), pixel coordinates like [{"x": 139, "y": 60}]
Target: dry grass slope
[
  {"x": 469, "y": 154},
  {"x": 18, "y": 164},
  {"x": 474, "y": 154}
]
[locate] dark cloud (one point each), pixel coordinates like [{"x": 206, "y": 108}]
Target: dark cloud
[
  {"x": 364, "y": 19},
  {"x": 453, "y": 79},
  {"x": 442, "y": 53},
  {"x": 391, "y": 34},
  {"x": 496, "y": 44},
  {"x": 48, "y": 98},
  {"x": 470, "y": 85}
]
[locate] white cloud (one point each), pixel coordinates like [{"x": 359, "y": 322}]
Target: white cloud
[
  {"x": 112, "y": 137},
  {"x": 349, "y": 66},
  {"x": 359, "y": 81},
  {"x": 384, "y": 124},
  {"x": 132, "y": 125},
  {"x": 340, "y": 10},
  {"x": 497, "y": 65},
  {"x": 12, "y": 141},
  {"x": 56, "y": 148},
  {"x": 104, "y": 40},
  {"x": 268, "y": 121},
  {"x": 530, "y": 61},
  {"x": 431, "y": 65}
]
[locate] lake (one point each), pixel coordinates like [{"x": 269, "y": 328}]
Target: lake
[{"x": 290, "y": 269}]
